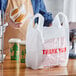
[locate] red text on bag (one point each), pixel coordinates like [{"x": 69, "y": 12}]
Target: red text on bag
[{"x": 52, "y": 51}]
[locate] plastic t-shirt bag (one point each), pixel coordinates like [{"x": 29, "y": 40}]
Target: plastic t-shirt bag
[{"x": 47, "y": 46}]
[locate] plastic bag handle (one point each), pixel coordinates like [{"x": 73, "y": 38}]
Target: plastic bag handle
[
  {"x": 40, "y": 22},
  {"x": 58, "y": 24},
  {"x": 65, "y": 20}
]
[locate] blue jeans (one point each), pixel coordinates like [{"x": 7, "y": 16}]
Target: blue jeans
[{"x": 39, "y": 7}]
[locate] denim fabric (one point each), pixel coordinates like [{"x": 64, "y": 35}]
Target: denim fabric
[
  {"x": 3, "y": 3},
  {"x": 38, "y": 7},
  {"x": 0, "y": 4}
]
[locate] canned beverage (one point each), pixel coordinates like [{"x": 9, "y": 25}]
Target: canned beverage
[
  {"x": 22, "y": 51},
  {"x": 14, "y": 48}
]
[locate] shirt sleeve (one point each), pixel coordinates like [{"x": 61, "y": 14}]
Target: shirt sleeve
[{"x": 47, "y": 16}]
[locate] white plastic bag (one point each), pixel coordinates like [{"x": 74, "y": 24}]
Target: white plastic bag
[{"x": 47, "y": 46}]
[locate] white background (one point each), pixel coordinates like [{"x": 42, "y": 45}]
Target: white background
[
  {"x": 66, "y": 6},
  {"x": 54, "y": 6}
]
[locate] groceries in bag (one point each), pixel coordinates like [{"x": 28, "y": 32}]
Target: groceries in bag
[
  {"x": 18, "y": 15},
  {"x": 14, "y": 48},
  {"x": 47, "y": 46}
]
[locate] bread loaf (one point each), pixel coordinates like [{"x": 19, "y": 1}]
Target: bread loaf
[
  {"x": 14, "y": 11},
  {"x": 20, "y": 18}
]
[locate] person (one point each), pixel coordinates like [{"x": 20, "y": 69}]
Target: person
[
  {"x": 35, "y": 6},
  {"x": 4, "y": 2},
  {"x": 38, "y": 7},
  {"x": 0, "y": 4},
  {"x": 12, "y": 31}
]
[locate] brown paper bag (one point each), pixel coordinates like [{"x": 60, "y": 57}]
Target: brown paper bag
[{"x": 11, "y": 30}]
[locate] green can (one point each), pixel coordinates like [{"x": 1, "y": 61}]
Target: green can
[
  {"x": 22, "y": 51},
  {"x": 14, "y": 49}
]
